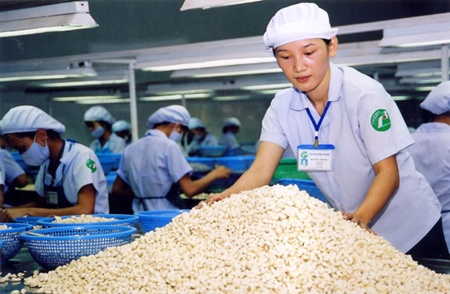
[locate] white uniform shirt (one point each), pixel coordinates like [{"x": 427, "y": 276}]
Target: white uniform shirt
[
  {"x": 2, "y": 176},
  {"x": 151, "y": 166},
  {"x": 79, "y": 167},
  {"x": 209, "y": 140},
  {"x": 115, "y": 144},
  {"x": 357, "y": 102},
  {"x": 12, "y": 168},
  {"x": 431, "y": 154},
  {"x": 229, "y": 139}
]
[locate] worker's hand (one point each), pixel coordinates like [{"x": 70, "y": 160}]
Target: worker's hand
[
  {"x": 221, "y": 172},
  {"x": 356, "y": 219},
  {"x": 210, "y": 200},
  {"x": 9, "y": 214}
]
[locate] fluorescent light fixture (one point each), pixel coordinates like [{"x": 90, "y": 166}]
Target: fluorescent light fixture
[
  {"x": 110, "y": 78},
  {"x": 205, "y": 4},
  {"x": 175, "y": 97},
  {"x": 425, "y": 88},
  {"x": 84, "y": 98},
  {"x": 225, "y": 71},
  {"x": 268, "y": 87},
  {"x": 431, "y": 33},
  {"x": 231, "y": 98},
  {"x": 163, "y": 66},
  {"x": 419, "y": 69},
  {"x": 47, "y": 74},
  {"x": 401, "y": 98},
  {"x": 421, "y": 80},
  {"x": 49, "y": 18}
]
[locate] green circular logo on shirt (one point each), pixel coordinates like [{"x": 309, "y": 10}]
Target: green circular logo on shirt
[
  {"x": 380, "y": 120},
  {"x": 91, "y": 165}
]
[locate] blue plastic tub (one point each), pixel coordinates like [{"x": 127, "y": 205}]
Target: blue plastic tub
[
  {"x": 110, "y": 160},
  {"x": 150, "y": 220},
  {"x": 237, "y": 164},
  {"x": 307, "y": 185}
]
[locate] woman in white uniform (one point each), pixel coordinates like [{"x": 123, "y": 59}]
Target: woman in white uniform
[
  {"x": 351, "y": 134},
  {"x": 99, "y": 122},
  {"x": 431, "y": 150},
  {"x": 122, "y": 129},
  {"x": 200, "y": 137},
  {"x": 230, "y": 129},
  {"x": 70, "y": 179},
  {"x": 153, "y": 168}
]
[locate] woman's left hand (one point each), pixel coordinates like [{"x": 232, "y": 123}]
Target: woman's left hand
[{"x": 356, "y": 219}]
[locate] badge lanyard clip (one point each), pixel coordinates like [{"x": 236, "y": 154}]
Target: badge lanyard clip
[{"x": 317, "y": 125}]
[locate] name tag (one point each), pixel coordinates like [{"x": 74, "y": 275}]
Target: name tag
[
  {"x": 312, "y": 158},
  {"x": 51, "y": 197}
]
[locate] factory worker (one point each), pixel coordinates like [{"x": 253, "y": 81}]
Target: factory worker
[
  {"x": 99, "y": 122},
  {"x": 230, "y": 129},
  {"x": 70, "y": 179},
  {"x": 200, "y": 136},
  {"x": 14, "y": 174},
  {"x": 431, "y": 150},
  {"x": 153, "y": 169},
  {"x": 349, "y": 134},
  {"x": 122, "y": 129}
]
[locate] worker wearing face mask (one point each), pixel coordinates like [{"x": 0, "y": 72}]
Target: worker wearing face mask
[
  {"x": 99, "y": 122},
  {"x": 230, "y": 129},
  {"x": 122, "y": 129},
  {"x": 431, "y": 148},
  {"x": 200, "y": 136},
  {"x": 153, "y": 169},
  {"x": 70, "y": 179}
]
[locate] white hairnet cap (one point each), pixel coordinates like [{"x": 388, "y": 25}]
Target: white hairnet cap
[
  {"x": 28, "y": 118},
  {"x": 232, "y": 121},
  {"x": 438, "y": 100},
  {"x": 172, "y": 114},
  {"x": 121, "y": 125},
  {"x": 298, "y": 22},
  {"x": 98, "y": 113},
  {"x": 195, "y": 122}
]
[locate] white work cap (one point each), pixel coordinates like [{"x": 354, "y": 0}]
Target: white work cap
[
  {"x": 195, "y": 123},
  {"x": 121, "y": 125},
  {"x": 171, "y": 114},
  {"x": 298, "y": 22},
  {"x": 438, "y": 100},
  {"x": 232, "y": 121},
  {"x": 98, "y": 113},
  {"x": 28, "y": 118}
]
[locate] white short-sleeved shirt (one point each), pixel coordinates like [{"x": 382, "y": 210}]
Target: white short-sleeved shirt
[
  {"x": 431, "y": 154},
  {"x": 79, "y": 167},
  {"x": 209, "y": 140},
  {"x": 229, "y": 139},
  {"x": 151, "y": 166},
  {"x": 115, "y": 144},
  {"x": 2, "y": 176},
  {"x": 12, "y": 168},
  {"x": 365, "y": 126}
]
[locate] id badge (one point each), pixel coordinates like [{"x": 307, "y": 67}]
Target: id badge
[
  {"x": 312, "y": 158},
  {"x": 51, "y": 197}
]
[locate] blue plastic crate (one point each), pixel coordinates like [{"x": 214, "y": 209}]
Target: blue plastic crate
[{"x": 308, "y": 185}]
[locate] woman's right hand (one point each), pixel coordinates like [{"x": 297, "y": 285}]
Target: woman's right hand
[{"x": 221, "y": 172}]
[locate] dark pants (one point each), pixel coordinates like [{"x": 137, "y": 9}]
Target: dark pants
[{"x": 432, "y": 245}]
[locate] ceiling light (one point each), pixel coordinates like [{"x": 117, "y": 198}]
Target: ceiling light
[
  {"x": 57, "y": 17},
  {"x": 231, "y": 98},
  {"x": 48, "y": 74},
  {"x": 175, "y": 97},
  {"x": 415, "y": 35},
  {"x": 83, "y": 98},
  {"x": 205, "y": 4},
  {"x": 108, "y": 78},
  {"x": 225, "y": 71}
]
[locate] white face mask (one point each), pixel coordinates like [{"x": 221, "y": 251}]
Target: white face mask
[
  {"x": 98, "y": 132},
  {"x": 175, "y": 136},
  {"x": 36, "y": 154}
]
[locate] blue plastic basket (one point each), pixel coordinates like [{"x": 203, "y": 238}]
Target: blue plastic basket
[
  {"x": 150, "y": 220},
  {"x": 31, "y": 220},
  {"x": 120, "y": 220},
  {"x": 58, "y": 246},
  {"x": 11, "y": 239},
  {"x": 307, "y": 185},
  {"x": 112, "y": 159}
]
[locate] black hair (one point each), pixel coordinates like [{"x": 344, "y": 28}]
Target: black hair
[{"x": 327, "y": 42}]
